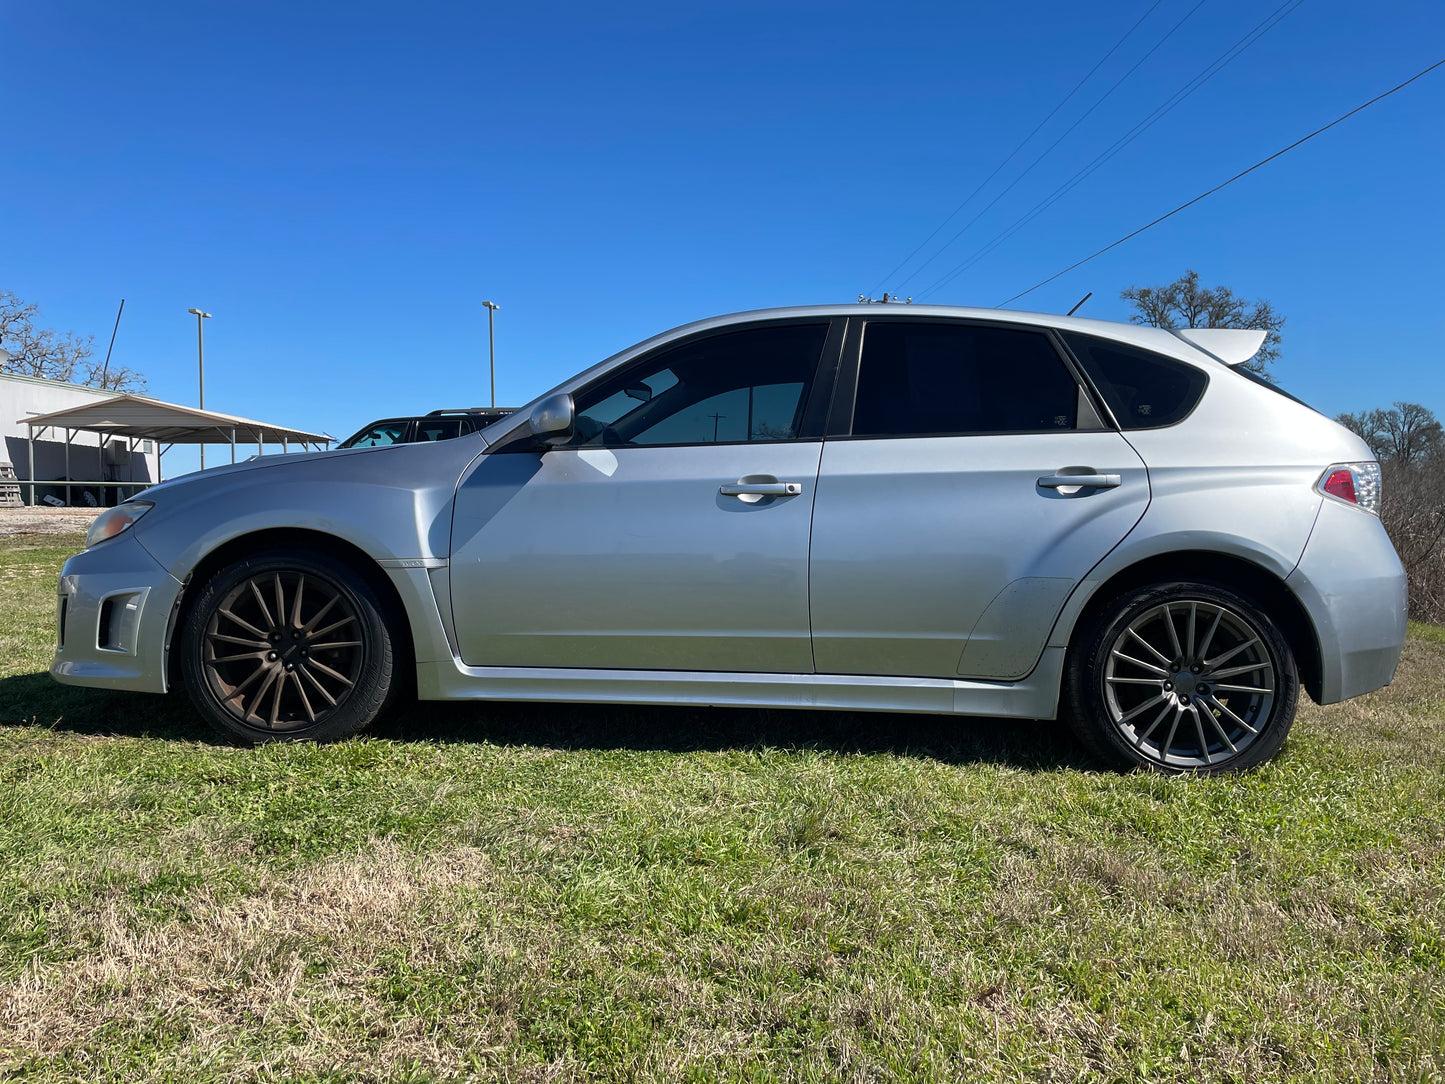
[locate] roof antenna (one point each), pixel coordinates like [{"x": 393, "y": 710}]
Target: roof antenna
[{"x": 1080, "y": 305}]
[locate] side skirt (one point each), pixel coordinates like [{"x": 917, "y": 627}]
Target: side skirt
[{"x": 1033, "y": 697}]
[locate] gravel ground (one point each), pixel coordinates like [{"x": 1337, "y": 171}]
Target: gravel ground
[{"x": 46, "y": 520}]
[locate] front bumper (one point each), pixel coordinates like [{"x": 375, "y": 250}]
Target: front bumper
[
  {"x": 1353, "y": 585},
  {"x": 114, "y": 607}
]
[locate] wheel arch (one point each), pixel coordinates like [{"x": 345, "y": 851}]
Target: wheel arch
[
  {"x": 1225, "y": 570},
  {"x": 295, "y": 538}
]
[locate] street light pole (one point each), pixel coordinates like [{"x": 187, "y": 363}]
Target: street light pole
[
  {"x": 492, "y": 345},
  {"x": 201, "y": 359}
]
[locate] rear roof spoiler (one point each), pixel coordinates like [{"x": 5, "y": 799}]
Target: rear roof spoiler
[{"x": 1233, "y": 346}]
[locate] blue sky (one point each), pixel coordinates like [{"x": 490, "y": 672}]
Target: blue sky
[{"x": 342, "y": 185}]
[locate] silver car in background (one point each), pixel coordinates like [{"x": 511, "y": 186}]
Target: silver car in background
[{"x": 918, "y": 509}]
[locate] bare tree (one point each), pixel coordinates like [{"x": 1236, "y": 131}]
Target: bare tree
[
  {"x": 1412, "y": 434},
  {"x": 114, "y": 377},
  {"x": 35, "y": 351},
  {"x": 1185, "y": 303},
  {"x": 1407, "y": 434}
]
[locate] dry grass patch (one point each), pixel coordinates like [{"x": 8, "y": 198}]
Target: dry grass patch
[{"x": 274, "y": 971}]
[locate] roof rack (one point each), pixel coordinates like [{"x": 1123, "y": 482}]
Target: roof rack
[{"x": 470, "y": 410}]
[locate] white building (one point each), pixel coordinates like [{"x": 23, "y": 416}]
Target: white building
[{"x": 69, "y": 455}]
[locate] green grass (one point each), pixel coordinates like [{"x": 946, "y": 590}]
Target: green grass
[
  {"x": 540, "y": 893},
  {"x": 1421, "y": 631}
]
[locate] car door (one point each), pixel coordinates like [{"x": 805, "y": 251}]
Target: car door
[
  {"x": 672, "y": 532},
  {"x": 947, "y": 529}
]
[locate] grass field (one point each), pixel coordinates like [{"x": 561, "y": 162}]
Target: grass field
[{"x": 527, "y": 893}]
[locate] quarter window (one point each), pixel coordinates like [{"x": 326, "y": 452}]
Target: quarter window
[
  {"x": 744, "y": 386},
  {"x": 1144, "y": 390},
  {"x": 918, "y": 379}
]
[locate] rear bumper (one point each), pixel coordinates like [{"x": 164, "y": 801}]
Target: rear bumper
[
  {"x": 114, "y": 605},
  {"x": 1353, "y": 585}
]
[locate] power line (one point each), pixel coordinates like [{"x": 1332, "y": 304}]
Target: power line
[
  {"x": 1216, "y": 188},
  {"x": 1264, "y": 26},
  {"x": 1049, "y": 149},
  {"x": 1013, "y": 153}
]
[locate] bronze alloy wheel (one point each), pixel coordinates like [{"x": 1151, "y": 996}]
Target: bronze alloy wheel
[
  {"x": 1183, "y": 678},
  {"x": 287, "y": 646}
]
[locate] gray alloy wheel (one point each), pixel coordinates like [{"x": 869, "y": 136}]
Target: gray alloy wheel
[
  {"x": 1183, "y": 677},
  {"x": 287, "y": 645}
]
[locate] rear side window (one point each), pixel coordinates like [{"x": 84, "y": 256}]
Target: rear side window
[
  {"x": 1144, "y": 390},
  {"x": 438, "y": 428},
  {"x": 937, "y": 379}
]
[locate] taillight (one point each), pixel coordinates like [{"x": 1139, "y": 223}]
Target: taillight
[
  {"x": 1341, "y": 484},
  {"x": 1354, "y": 483}
]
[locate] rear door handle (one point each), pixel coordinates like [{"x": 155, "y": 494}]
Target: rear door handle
[
  {"x": 761, "y": 489},
  {"x": 1082, "y": 481}
]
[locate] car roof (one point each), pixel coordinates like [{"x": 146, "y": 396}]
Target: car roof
[
  {"x": 1152, "y": 338},
  {"x": 1156, "y": 339}
]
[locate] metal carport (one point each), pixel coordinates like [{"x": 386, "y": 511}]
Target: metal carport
[{"x": 136, "y": 417}]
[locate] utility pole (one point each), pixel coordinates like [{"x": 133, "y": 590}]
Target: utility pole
[
  {"x": 201, "y": 360},
  {"x": 715, "y": 419},
  {"x": 492, "y": 345}
]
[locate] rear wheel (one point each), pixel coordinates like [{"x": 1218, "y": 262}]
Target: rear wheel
[
  {"x": 287, "y": 645},
  {"x": 1182, "y": 677}
]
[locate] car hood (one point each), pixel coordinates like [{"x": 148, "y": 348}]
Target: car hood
[{"x": 367, "y": 462}]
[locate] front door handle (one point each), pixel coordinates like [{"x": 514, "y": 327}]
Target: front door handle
[
  {"x": 1080, "y": 481},
  {"x": 761, "y": 489}
]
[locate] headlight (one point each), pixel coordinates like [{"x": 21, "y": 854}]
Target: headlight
[{"x": 117, "y": 520}]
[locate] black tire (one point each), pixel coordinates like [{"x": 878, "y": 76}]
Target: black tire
[
  {"x": 1182, "y": 677},
  {"x": 287, "y": 645}
]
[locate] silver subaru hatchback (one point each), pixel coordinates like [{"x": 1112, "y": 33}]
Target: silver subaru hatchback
[{"x": 918, "y": 509}]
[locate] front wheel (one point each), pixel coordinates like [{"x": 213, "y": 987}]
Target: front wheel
[
  {"x": 1182, "y": 677},
  {"x": 287, "y": 645}
]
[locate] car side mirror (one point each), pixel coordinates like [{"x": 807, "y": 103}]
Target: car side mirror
[{"x": 552, "y": 420}]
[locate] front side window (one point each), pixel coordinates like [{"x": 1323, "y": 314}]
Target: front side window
[
  {"x": 742, "y": 386},
  {"x": 919, "y": 379},
  {"x": 1144, "y": 390}
]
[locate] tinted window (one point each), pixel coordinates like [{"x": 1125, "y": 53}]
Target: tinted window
[
  {"x": 438, "y": 428},
  {"x": 737, "y": 387},
  {"x": 1144, "y": 390},
  {"x": 952, "y": 378},
  {"x": 393, "y": 432}
]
